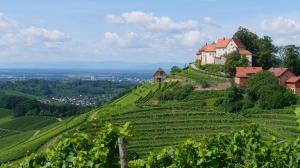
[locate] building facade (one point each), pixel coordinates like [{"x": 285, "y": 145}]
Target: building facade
[
  {"x": 159, "y": 75},
  {"x": 215, "y": 53},
  {"x": 243, "y": 74},
  {"x": 283, "y": 74},
  {"x": 294, "y": 84}
]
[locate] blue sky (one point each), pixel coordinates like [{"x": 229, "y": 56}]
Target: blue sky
[{"x": 62, "y": 33}]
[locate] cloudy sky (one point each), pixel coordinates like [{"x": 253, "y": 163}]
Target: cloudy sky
[{"x": 60, "y": 33}]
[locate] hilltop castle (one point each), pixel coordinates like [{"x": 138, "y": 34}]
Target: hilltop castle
[{"x": 215, "y": 53}]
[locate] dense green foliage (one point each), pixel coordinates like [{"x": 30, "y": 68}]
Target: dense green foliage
[
  {"x": 232, "y": 101},
  {"x": 234, "y": 59},
  {"x": 82, "y": 151},
  {"x": 292, "y": 58},
  {"x": 262, "y": 91},
  {"x": 262, "y": 48},
  {"x": 174, "y": 70},
  {"x": 245, "y": 148},
  {"x": 21, "y": 105}
]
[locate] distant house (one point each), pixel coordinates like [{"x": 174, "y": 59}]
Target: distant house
[
  {"x": 285, "y": 77},
  {"x": 283, "y": 74},
  {"x": 243, "y": 73},
  {"x": 294, "y": 84},
  {"x": 215, "y": 53},
  {"x": 159, "y": 75}
]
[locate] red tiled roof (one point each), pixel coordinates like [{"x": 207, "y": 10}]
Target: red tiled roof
[
  {"x": 239, "y": 43},
  {"x": 278, "y": 71},
  {"x": 293, "y": 79},
  {"x": 247, "y": 71},
  {"x": 208, "y": 48},
  {"x": 223, "y": 42},
  {"x": 245, "y": 52}
]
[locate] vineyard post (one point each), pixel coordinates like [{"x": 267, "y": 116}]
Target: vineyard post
[{"x": 122, "y": 152}]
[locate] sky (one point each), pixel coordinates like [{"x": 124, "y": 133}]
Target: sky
[{"x": 111, "y": 33}]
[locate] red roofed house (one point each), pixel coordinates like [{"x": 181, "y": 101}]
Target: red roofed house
[
  {"x": 215, "y": 53},
  {"x": 283, "y": 74},
  {"x": 243, "y": 73},
  {"x": 294, "y": 84}
]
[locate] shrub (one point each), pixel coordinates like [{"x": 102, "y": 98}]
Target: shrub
[
  {"x": 178, "y": 92},
  {"x": 204, "y": 84},
  {"x": 264, "y": 89},
  {"x": 232, "y": 101},
  {"x": 234, "y": 60},
  {"x": 175, "y": 70}
]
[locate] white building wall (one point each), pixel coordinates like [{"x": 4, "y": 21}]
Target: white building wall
[
  {"x": 220, "y": 60},
  {"x": 220, "y": 52},
  {"x": 231, "y": 47},
  {"x": 208, "y": 58}
]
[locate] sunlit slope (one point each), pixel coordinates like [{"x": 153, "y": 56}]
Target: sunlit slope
[
  {"x": 158, "y": 124},
  {"x": 23, "y": 135}
]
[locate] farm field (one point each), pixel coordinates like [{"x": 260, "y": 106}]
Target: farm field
[
  {"x": 22, "y": 135},
  {"x": 158, "y": 124}
]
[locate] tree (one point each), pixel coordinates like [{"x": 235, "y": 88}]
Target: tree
[
  {"x": 247, "y": 38},
  {"x": 264, "y": 89},
  {"x": 265, "y": 55},
  {"x": 232, "y": 99},
  {"x": 292, "y": 58},
  {"x": 234, "y": 59},
  {"x": 262, "y": 48},
  {"x": 175, "y": 69}
]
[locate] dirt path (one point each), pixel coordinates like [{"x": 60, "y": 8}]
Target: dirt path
[{"x": 34, "y": 135}]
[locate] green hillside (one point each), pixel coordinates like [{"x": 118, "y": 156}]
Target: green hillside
[
  {"x": 158, "y": 124},
  {"x": 20, "y": 136}
]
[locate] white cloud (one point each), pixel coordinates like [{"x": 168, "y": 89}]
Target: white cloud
[
  {"x": 13, "y": 34},
  {"x": 119, "y": 40},
  {"x": 113, "y": 19},
  {"x": 33, "y": 36},
  {"x": 191, "y": 38},
  {"x": 6, "y": 23},
  {"x": 151, "y": 22},
  {"x": 281, "y": 25}
]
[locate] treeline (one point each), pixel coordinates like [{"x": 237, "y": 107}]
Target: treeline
[
  {"x": 22, "y": 105},
  {"x": 245, "y": 148},
  {"x": 41, "y": 87}
]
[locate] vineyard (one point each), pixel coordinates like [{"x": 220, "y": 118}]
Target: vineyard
[
  {"x": 158, "y": 124},
  {"x": 158, "y": 121},
  {"x": 23, "y": 135}
]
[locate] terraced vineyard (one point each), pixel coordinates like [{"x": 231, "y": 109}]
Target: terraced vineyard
[
  {"x": 23, "y": 135},
  {"x": 160, "y": 124}
]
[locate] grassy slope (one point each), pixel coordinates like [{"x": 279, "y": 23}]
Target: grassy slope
[
  {"x": 199, "y": 76},
  {"x": 168, "y": 123},
  {"x": 26, "y": 134}
]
